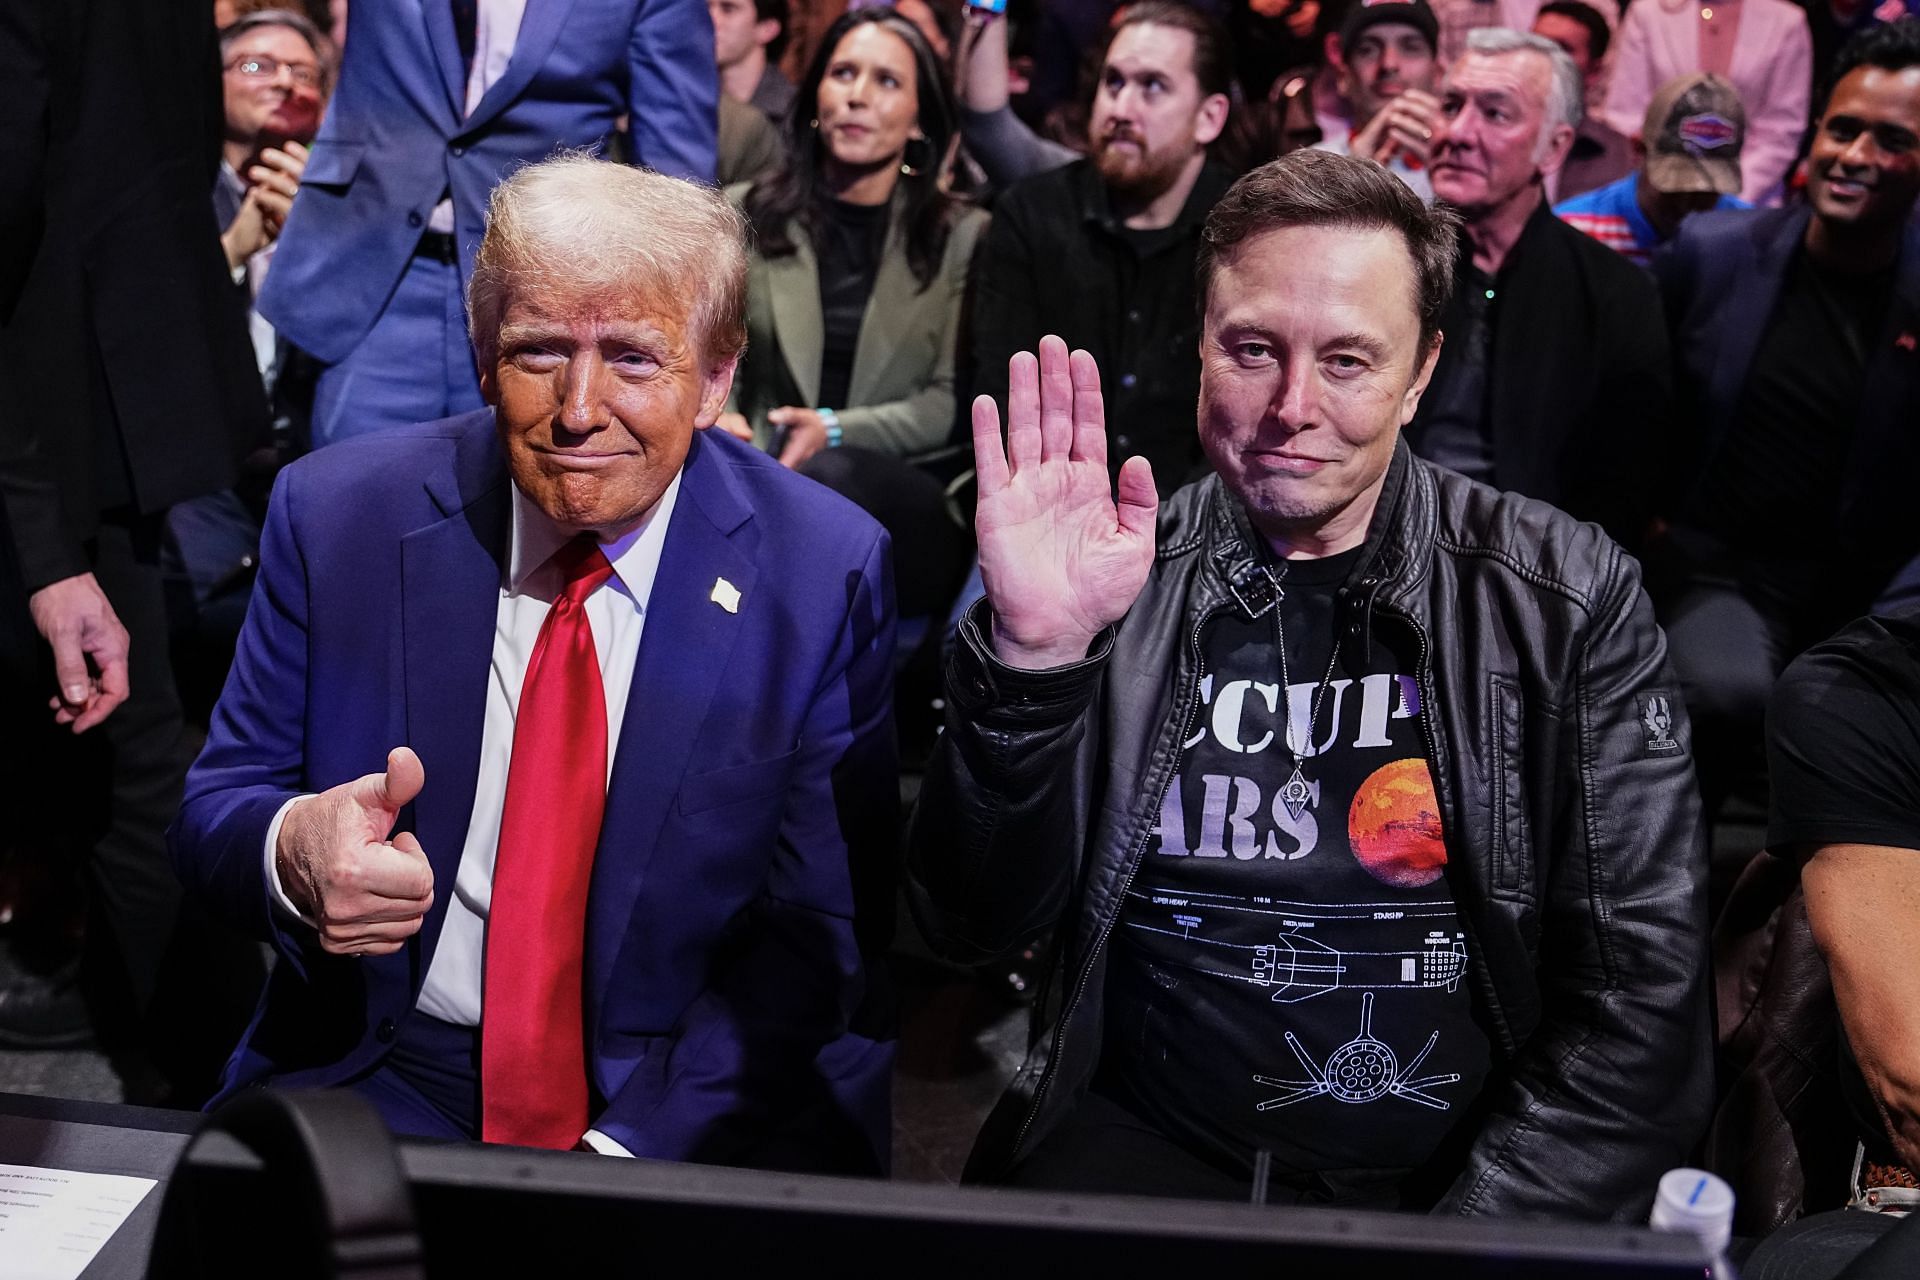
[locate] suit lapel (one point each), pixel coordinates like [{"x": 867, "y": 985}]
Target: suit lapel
[
  {"x": 444, "y": 44},
  {"x": 793, "y": 281},
  {"x": 685, "y": 647},
  {"x": 451, "y": 572},
  {"x": 539, "y": 30}
]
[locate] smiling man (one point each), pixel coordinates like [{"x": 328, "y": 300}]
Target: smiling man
[
  {"x": 556, "y": 763},
  {"x": 1338, "y": 774},
  {"x": 1795, "y": 331},
  {"x": 1554, "y": 381}
]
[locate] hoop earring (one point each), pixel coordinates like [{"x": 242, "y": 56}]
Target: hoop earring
[{"x": 908, "y": 166}]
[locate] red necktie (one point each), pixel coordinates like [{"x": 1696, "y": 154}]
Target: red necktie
[{"x": 533, "y": 1067}]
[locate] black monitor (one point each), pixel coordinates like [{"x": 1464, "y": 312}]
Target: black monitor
[{"x": 487, "y": 1211}]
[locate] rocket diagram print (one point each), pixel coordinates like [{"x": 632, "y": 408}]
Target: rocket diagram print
[{"x": 1304, "y": 901}]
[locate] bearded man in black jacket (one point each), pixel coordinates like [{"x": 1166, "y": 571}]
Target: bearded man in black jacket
[{"x": 1356, "y": 792}]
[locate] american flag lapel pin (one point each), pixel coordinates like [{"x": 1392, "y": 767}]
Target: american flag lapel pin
[{"x": 726, "y": 595}]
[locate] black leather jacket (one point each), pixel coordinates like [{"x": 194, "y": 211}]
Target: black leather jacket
[{"x": 1559, "y": 752}]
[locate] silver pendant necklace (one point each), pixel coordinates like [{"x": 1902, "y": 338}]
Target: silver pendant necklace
[{"x": 1298, "y": 791}]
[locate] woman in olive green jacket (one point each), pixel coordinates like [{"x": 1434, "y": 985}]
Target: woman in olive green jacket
[{"x": 856, "y": 287}]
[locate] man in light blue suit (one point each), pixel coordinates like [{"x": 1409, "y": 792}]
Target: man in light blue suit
[{"x": 438, "y": 100}]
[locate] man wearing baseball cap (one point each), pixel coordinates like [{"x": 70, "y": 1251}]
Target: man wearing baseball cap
[
  {"x": 1690, "y": 149},
  {"x": 1391, "y": 75}
]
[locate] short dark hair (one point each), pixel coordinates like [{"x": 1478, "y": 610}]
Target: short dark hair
[
  {"x": 1212, "y": 63},
  {"x": 1891, "y": 46},
  {"x": 774, "y": 11},
  {"x": 1599, "y": 34},
  {"x": 1314, "y": 188}
]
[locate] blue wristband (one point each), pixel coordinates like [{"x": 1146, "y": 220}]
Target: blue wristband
[{"x": 831, "y": 421}]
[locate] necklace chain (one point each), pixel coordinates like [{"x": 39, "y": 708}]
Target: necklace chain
[{"x": 1286, "y": 683}]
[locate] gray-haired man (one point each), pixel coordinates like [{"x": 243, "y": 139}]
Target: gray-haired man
[{"x": 1555, "y": 380}]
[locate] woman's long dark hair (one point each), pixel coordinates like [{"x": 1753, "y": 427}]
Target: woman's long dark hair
[{"x": 795, "y": 194}]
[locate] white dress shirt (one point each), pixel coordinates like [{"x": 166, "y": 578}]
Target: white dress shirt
[{"x": 616, "y": 614}]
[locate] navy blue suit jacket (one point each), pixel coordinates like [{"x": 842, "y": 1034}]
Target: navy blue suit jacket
[
  {"x": 744, "y": 867},
  {"x": 396, "y": 137},
  {"x": 1721, "y": 279}
]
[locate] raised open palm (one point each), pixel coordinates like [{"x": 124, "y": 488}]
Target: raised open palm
[{"x": 1061, "y": 559}]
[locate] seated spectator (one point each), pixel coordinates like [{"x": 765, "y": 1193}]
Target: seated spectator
[
  {"x": 1690, "y": 163},
  {"x": 855, "y": 289},
  {"x": 1260, "y": 880},
  {"x": 1794, "y": 333},
  {"x": 1762, "y": 46},
  {"x": 1600, "y": 154},
  {"x": 1387, "y": 49},
  {"x": 1101, "y": 251},
  {"x": 1553, "y": 380},
  {"x": 278, "y": 70},
  {"x": 748, "y": 38},
  {"x": 1843, "y": 750},
  {"x": 622, "y": 684}
]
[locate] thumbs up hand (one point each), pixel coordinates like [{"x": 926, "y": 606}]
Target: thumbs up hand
[{"x": 368, "y": 894}]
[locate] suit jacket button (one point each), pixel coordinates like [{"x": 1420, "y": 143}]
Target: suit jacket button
[
  {"x": 458, "y": 151},
  {"x": 414, "y": 219},
  {"x": 384, "y": 1032}
]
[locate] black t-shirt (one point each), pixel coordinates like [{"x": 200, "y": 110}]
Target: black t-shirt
[
  {"x": 1288, "y": 971},
  {"x": 850, "y": 244},
  {"x": 1843, "y": 754},
  {"x": 1773, "y": 484}
]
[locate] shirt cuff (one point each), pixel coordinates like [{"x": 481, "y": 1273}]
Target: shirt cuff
[
  {"x": 274, "y": 887},
  {"x": 604, "y": 1145}
]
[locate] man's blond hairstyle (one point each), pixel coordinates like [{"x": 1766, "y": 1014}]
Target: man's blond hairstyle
[{"x": 577, "y": 225}]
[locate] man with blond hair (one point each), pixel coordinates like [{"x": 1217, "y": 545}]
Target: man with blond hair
[{"x": 555, "y": 764}]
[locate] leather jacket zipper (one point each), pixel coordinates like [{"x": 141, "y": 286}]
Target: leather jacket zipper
[
  {"x": 1192, "y": 692},
  {"x": 1423, "y": 681}
]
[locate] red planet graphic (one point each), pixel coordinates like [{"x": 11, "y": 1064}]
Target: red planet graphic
[{"x": 1394, "y": 825}]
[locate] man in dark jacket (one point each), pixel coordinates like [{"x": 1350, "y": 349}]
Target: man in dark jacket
[
  {"x": 1555, "y": 380},
  {"x": 1797, "y": 339},
  {"x": 1420, "y": 919},
  {"x": 125, "y": 387},
  {"x": 1101, "y": 251}
]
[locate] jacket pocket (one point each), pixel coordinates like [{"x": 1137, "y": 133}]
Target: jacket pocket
[
  {"x": 1511, "y": 859},
  {"x": 333, "y": 164},
  {"x": 736, "y": 783}
]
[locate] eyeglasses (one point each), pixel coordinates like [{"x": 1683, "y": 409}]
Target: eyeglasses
[{"x": 261, "y": 67}]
